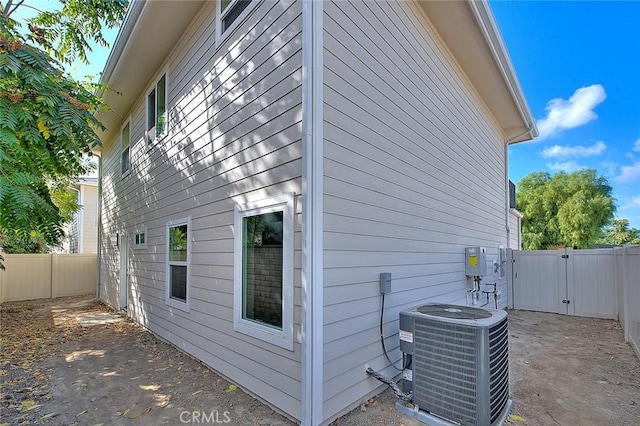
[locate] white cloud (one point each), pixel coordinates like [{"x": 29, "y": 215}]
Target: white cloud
[
  {"x": 566, "y": 166},
  {"x": 574, "y": 151},
  {"x": 634, "y": 203},
  {"x": 610, "y": 168},
  {"x": 636, "y": 146},
  {"x": 629, "y": 174},
  {"x": 567, "y": 114}
]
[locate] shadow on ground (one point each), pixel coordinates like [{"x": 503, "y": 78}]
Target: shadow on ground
[{"x": 53, "y": 370}]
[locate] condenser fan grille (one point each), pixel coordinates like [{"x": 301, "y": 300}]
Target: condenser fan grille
[
  {"x": 454, "y": 311},
  {"x": 445, "y": 370},
  {"x": 460, "y": 365}
]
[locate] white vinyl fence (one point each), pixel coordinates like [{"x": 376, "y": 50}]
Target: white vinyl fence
[
  {"x": 598, "y": 283},
  {"x": 38, "y": 276},
  {"x": 627, "y": 267}
]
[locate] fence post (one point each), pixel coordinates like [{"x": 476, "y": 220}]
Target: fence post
[
  {"x": 625, "y": 292},
  {"x": 2, "y": 277},
  {"x": 54, "y": 268}
]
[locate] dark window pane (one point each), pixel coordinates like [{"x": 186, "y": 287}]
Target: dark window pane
[
  {"x": 179, "y": 282},
  {"x": 262, "y": 257},
  {"x": 233, "y": 13},
  {"x": 178, "y": 243},
  {"x": 151, "y": 110},
  {"x": 142, "y": 235}
]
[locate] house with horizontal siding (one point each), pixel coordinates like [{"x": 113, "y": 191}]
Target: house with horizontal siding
[{"x": 265, "y": 161}]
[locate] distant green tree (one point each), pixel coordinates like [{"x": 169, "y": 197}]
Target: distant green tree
[
  {"x": 47, "y": 122},
  {"x": 567, "y": 209},
  {"x": 618, "y": 232}
]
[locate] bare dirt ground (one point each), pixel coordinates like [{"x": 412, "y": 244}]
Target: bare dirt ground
[{"x": 564, "y": 370}]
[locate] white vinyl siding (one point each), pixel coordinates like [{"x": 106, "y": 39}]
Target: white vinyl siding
[
  {"x": 234, "y": 137},
  {"x": 414, "y": 172}
]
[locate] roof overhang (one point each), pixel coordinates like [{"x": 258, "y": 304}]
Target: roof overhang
[
  {"x": 470, "y": 32},
  {"x": 150, "y": 30}
]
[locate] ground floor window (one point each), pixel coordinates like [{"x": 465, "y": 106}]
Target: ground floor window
[
  {"x": 178, "y": 258},
  {"x": 263, "y": 267}
]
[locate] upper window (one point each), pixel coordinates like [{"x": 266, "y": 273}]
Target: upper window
[
  {"x": 178, "y": 258},
  {"x": 263, "y": 270},
  {"x": 231, "y": 11},
  {"x": 125, "y": 157},
  {"x": 157, "y": 110}
]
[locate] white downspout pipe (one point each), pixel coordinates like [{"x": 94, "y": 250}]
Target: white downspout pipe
[
  {"x": 506, "y": 177},
  {"x": 99, "y": 240}
]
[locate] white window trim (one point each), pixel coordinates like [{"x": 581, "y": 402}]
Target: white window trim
[
  {"x": 154, "y": 86},
  {"x": 128, "y": 172},
  {"x": 222, "y": 36},
  {"x": 140, "y": 230},
  {"x": 284, "y": 337},
  {"x": 184, "y": 306}
]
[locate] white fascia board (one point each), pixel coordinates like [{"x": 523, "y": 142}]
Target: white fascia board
[{"x": 489, "y": 28}]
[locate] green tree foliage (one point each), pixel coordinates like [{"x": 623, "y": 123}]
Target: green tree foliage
[
  {"x": 564, "y": 209},
  {"x": 618, "y": 233},
  {"x": 47, "y": 123}
]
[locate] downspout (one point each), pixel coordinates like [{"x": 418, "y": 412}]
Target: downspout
[
  {"x": 81, "y": 219},
  {"x": 312, "y": 212},
  {"x": 506, "y": 177},
  {"x": 99, "y": 242}
]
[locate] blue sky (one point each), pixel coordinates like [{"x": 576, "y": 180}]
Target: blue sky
[{"x": 578, "y": 63}]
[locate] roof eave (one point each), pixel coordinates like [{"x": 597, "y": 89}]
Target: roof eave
[
  {"x": 471, "y": 34},
  {"x": 132, "y": 63}
]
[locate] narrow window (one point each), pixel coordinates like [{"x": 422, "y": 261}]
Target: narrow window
[
  {"x": 177, "y": 263},
  {"x": 161, "y": 107},
  {"x": 126, "y": 159},
  {"x": 157, "y": 110},
  {"x": 263, "y": 290}
]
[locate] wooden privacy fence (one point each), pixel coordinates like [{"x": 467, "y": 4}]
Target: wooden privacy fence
[{"x": 39, "y": 276}]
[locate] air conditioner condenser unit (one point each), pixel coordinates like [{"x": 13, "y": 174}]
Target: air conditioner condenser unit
[{"x": 457, "y": 360}]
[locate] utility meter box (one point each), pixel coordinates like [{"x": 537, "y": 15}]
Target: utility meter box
[{"x": 475, "y": 263}]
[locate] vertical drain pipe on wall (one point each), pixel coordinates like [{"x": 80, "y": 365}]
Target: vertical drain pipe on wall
[
  {"x": 99, "y": 241},
  {"x": 506, "y": 179}
]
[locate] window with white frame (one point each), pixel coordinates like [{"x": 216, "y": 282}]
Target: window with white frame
[
  {"x": 178, "y": 259},
  {"x": 140, "y": 238},
  {"x": 231, "y": 11},
  {"x": 263, "y": 270},
  {"x": 125, "y": 157},
  {"x": 157, "y": 110}
]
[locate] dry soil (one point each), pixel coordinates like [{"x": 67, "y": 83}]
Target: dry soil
[{"x": 564, "y": 370}]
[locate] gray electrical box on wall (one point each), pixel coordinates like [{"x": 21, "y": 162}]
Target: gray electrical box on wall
[
  {"x": 475, "y": 261},
  {"x": 385, "y": 282}
]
